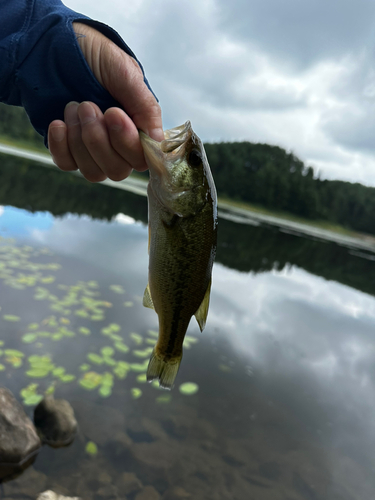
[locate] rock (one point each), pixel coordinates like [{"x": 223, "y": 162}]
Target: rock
[
  {"x": 145, "y": 430},
  {"x": 19, "y": 441},
  {"x": 176, "y": 493},
  {"x": 148, "y": 493},
  {"x": 99, "y": 423},
  {"x": 128, "y": 483},
  {"x": 104, "y": 478},
  {"x": 51, "y": 495},
  {"x": 55, "y": 422},
  {"x": 29, "y": 485},
  {"x": 109, "y": 492}
]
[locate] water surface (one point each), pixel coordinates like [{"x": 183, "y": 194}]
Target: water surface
[{"x": 284, "y": 369}]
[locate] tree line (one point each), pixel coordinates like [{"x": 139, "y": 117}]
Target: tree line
[
  {"x": 260, "y": 174},
  {"x": 240, "y": 246}
]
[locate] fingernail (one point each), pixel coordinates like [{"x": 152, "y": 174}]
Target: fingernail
[
  {"x": 58, "y": 133},
  {"x": 71, "y": 114},
  {"x": 86, "y": 113},
  {"x": 116, "y": 123},
  {"x": 157, "y": 134}
]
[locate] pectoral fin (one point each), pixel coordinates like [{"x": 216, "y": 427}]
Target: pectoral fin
[
  {"x": 147, "y": 300},
  {"x": 201, "y": 314}
]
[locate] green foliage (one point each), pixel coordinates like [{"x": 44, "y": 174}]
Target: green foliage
[
  {"x": 15, "y": 124},
  {"x": 270, "y": 176}
]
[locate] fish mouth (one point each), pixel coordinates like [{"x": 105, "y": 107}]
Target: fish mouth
[{"x": 155, "y": 152}]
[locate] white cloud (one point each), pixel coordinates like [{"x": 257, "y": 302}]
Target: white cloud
[
  {"x": 124, "y": 219},
  {"x": 1, "y": 210},
  {"x": 296, "y": 74}
]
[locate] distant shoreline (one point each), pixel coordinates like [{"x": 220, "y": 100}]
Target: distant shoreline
[{"x": 235, "y": 211}]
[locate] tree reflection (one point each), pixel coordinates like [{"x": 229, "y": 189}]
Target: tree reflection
[{"x": 242, "y": 247}]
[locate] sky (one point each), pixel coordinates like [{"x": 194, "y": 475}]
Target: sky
[{"x": 298, "y": 74}]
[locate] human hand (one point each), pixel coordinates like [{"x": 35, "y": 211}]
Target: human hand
[{"x": 106, "y": 145}]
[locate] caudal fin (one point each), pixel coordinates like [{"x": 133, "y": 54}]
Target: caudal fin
[{"x": 164, "y": 371}]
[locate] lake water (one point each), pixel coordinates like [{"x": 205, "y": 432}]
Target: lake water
[{"x": 284, "y": 371}]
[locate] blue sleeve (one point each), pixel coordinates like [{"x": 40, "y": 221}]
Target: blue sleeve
[{"x": 42, "y": 67}]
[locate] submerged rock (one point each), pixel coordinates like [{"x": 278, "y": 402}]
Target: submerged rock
[
  {"x": 55, "y": 422},
  {"x": 51, "y": 495},
  {"x": 148, "y": 493},
  {"x": 19, "y": 441},
  {"x": 28, "y": 485},
  {"x": 128, "y": 483}
]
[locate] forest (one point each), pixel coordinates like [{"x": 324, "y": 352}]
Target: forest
[
  {"x": 240, "y": 246},
  {"x": 261, "y": 174}
]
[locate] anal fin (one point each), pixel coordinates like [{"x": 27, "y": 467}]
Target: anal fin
[
  {"x": 201, "y": 314},
  {"x": 147, "y": 300}
]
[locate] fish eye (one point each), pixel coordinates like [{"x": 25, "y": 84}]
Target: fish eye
[{"x": 195, "y": 158}]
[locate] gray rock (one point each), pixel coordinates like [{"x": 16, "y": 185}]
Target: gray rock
[
  {"x": 148, "y": 493},
  {"x": 176, "y": 493},
  {"x": 128, "y": 483},
  {"x": 51, "y": 495},
  {"x": 99, "y": 423},
  {"x": 29, "y": 485},
  {"x": 19, "y": 441},
  {"x": 55, "y": 422}
]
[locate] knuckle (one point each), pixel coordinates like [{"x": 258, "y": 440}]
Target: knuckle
[{"x": 92, "y": 136}]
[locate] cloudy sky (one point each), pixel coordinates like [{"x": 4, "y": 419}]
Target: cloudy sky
[{"x": 296, "y": 73}]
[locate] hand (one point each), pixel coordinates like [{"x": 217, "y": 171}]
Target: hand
[{"x": 106, "y": 145}]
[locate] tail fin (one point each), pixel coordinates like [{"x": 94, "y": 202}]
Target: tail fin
[{"x": 164, "y": 371}]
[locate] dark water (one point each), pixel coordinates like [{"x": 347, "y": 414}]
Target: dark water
[{"x": 284, "y": 371}]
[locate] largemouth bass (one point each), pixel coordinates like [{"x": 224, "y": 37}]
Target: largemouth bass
[{"x": 182, "y": 212}]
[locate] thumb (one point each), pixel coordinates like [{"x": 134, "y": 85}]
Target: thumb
[{"x": 121, "y": 75}]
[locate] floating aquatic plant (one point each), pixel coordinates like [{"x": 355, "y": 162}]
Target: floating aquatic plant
[
  {"x": 70, "y": 309},
  {"x": 91, "y": 448},
  {"x": 136, "y": 393},
  {"x": 188, "y": 388},
  {"x": 117, "y": 288},
  {"x": 10, "y": 317}
]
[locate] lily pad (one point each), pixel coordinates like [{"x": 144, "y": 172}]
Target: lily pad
[
  {"x": 28, "y": 338},
  {"x": 117, "y": 288},
  {"x": 107, "y": 351},
  {"x": 138, "y": 339},
  {"x": 136, "y": 393},
  {"x": 84, "y": 330},
  {"x": 11, "y": 317},
  {"x": 121, "y": 347},
  {"x": 91, "y": 448},
  {"x": 38, "y": 372},
  {"x": 33, "y": 399},
  {"x": 105, "y": 391},
  {"x": 165, "y": 398},
  {"x": 189, "y": 388},
  {"x": 95, "y": 358}
]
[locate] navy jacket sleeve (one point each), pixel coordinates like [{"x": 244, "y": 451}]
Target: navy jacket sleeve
[{"x": 41, "y": 65}]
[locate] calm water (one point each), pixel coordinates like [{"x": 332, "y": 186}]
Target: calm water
[{"x": 284, "y": 369}]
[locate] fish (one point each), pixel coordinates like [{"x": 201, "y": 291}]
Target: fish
[{"x": 182, "y": 216}]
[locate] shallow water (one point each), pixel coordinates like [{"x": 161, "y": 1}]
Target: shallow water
[{"x": 284, "y": 369}]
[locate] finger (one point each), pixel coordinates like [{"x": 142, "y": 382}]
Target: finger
[
  {"x": 82, "y": 157},
  {"x": 96, "y": 139},
  {"x": 122, "y": 76},
  {"x": 58, "y": 146},
  {"x": 127, "y": 86},
  {"x": 124, "y": 138}
]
